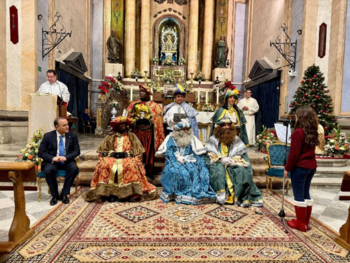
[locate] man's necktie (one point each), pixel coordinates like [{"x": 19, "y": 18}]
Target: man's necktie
[{"x": 61, "y": 148}]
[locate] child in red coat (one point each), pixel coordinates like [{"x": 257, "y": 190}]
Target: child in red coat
[{"x": 302, "y": 165}]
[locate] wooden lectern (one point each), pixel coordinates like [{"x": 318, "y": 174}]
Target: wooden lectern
[
  {"x": 17, "y": 173},
  {"x": 43, "y": 110}
]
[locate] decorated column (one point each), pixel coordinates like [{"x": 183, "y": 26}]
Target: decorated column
[
  {"x": 193, "y": 38},
  {"x": 145, "y": 35},
  {"x": 208, "y": 38},
  {"x": 130, "y": 23}
]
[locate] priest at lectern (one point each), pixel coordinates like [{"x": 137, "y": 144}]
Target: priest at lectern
[{"x": 53, "y": 86}]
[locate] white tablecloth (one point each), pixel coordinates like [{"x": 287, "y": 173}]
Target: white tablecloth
[{"x": 204, "y": 117}]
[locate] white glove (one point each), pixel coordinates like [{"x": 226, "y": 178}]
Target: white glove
[{"x": 226, "y": 160}]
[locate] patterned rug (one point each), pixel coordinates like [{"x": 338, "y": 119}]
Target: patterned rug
[{"x": 157, "y": 232}]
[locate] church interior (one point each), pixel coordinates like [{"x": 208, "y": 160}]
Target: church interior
[{"x": 131, "y": 80}]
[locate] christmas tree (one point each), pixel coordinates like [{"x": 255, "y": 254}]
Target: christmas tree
[{"x": 313, "y": 92}]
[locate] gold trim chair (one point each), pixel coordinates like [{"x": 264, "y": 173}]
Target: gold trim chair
[
  {"x": 275, "y": 164},
  {"x": 60, "y": 175}
]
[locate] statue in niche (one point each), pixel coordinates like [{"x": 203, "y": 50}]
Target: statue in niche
[
  {"x": 169, "y": 46},
  {"x": 221, "y": 54},
  {"x": 113, "y": 45}
]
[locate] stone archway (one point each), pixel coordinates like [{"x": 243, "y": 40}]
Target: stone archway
[{"x": 156, "y": 34}]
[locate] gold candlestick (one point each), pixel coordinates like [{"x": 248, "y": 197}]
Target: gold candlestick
[
  {"x": 191, "y": 84},
  {"x": 146, "y": 76}
]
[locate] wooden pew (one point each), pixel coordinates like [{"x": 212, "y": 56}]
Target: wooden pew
[
  {"x": 344, "y": 232},
  {"x": 17, "y": 173}
]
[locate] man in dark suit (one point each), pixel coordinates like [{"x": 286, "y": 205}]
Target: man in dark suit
[{"x": 58, "y": 149}]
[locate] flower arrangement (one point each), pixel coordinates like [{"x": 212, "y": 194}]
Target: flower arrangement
[
  {"x": 200, "y": 75},
  {"x": 155, "y": 60},
  {"x": 30, "y": 152},
  {"x": 337, "y": 143},
  {"x": 169, "y": 77},
  {"x": 153, "y": 86},
  {"x": 168, "y": 61},
  {"x": 265, "y": 138},
  {"x": 182, "y": 61},
  {"x": 108, "y": 84},
  {"x": 136, "y": 74}
]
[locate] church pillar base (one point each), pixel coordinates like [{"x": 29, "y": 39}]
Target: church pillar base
[
  {"x": 112, "y": 69},
  {"x": 222, "y": 73}
]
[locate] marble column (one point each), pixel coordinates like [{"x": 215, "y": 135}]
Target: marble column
[
  {"x": 208, "y": 38},
  {"x": 3, "y": 57},
  {"x": 309, "y": 36},
  {"x": 336, "y": 57},
  {"x": 130, "y": 23},
  {"x": 193, "y": 38},
  {"x": 145, "y": 35}
]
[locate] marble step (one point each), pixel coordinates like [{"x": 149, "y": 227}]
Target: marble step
[
  {"x": 332, "y": 162},
  {"x": 328, "y": 183},
  {"x": 331, "y": 172}
]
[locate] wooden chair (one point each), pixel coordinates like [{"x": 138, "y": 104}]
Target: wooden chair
[
  {"x": 60, "y": 175},
  {"x": 275, "y": 164},
  {"x": 87, "y": 125}
]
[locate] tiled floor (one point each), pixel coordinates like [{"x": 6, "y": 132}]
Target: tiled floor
[{"x": 327, "y": 207}]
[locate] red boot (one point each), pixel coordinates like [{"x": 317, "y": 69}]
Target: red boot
[
  {"x": 309, "y": 203},
  {"x": 300, "y": 211}
]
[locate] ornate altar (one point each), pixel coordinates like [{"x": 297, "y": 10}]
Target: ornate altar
[{"x": 168, "y": 74}]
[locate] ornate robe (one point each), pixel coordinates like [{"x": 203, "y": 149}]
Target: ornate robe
[
  {"x": 122, "y": 177},
  {"x": 154, "y": 111},
  {"x": 152, "y": 138},
  {"x": 253, "y": 106},
  {"x": 187, "y": 109},
  {"x": 236, "y": 116},
  {"x": 185, "y": 177},
  {"x": 230, "y": 182}
]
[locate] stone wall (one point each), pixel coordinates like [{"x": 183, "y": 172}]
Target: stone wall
[{"x": 266, "y": 21}]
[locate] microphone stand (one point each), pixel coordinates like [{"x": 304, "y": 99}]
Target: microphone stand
[{"x": 282, "y": 214}]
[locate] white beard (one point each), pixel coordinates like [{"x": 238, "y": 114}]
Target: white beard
[{"x": 181, "y": 138}]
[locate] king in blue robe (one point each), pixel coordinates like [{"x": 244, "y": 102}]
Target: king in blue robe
[{"x": 185, "y": 177}]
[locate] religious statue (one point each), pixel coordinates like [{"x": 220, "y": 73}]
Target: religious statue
[
  {"x": 113, "y": 46},
  {"x": 221, "y": 54},
  {"x": 169, "y": 46}
]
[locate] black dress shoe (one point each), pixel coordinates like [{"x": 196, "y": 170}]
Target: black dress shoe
[
  {"x": 112, "y": 198},
  {"x": 54, "y": 200},
  {"x": 65, "y": 199}
]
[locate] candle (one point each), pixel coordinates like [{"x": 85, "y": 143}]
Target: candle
[
  {"x": 206, "y": 96},
  {"x": 198, "y": 97},
  {"x": 131, "y": 93},
  {"x": 217, "y": 96}
]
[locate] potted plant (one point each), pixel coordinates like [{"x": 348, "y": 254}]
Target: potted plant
[
  {"x": 200, "y": 76},
  {"x": 265, "y": 138},
  {"x": 182, "y": 61},
  {"x": 136, "y": 74},
  {"x": 169, "y": 77},
  {"x": 337, "y": 143},
  {"x": 155, "y": 60}
]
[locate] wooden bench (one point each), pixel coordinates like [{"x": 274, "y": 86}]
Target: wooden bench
[{"x": 17, "y": 173}]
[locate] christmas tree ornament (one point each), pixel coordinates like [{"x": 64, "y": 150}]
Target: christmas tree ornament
[
  {"x": 310, "y": 80},
  {"x": 315, "y": 76},
  {"x": 317, "y": 96}
]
